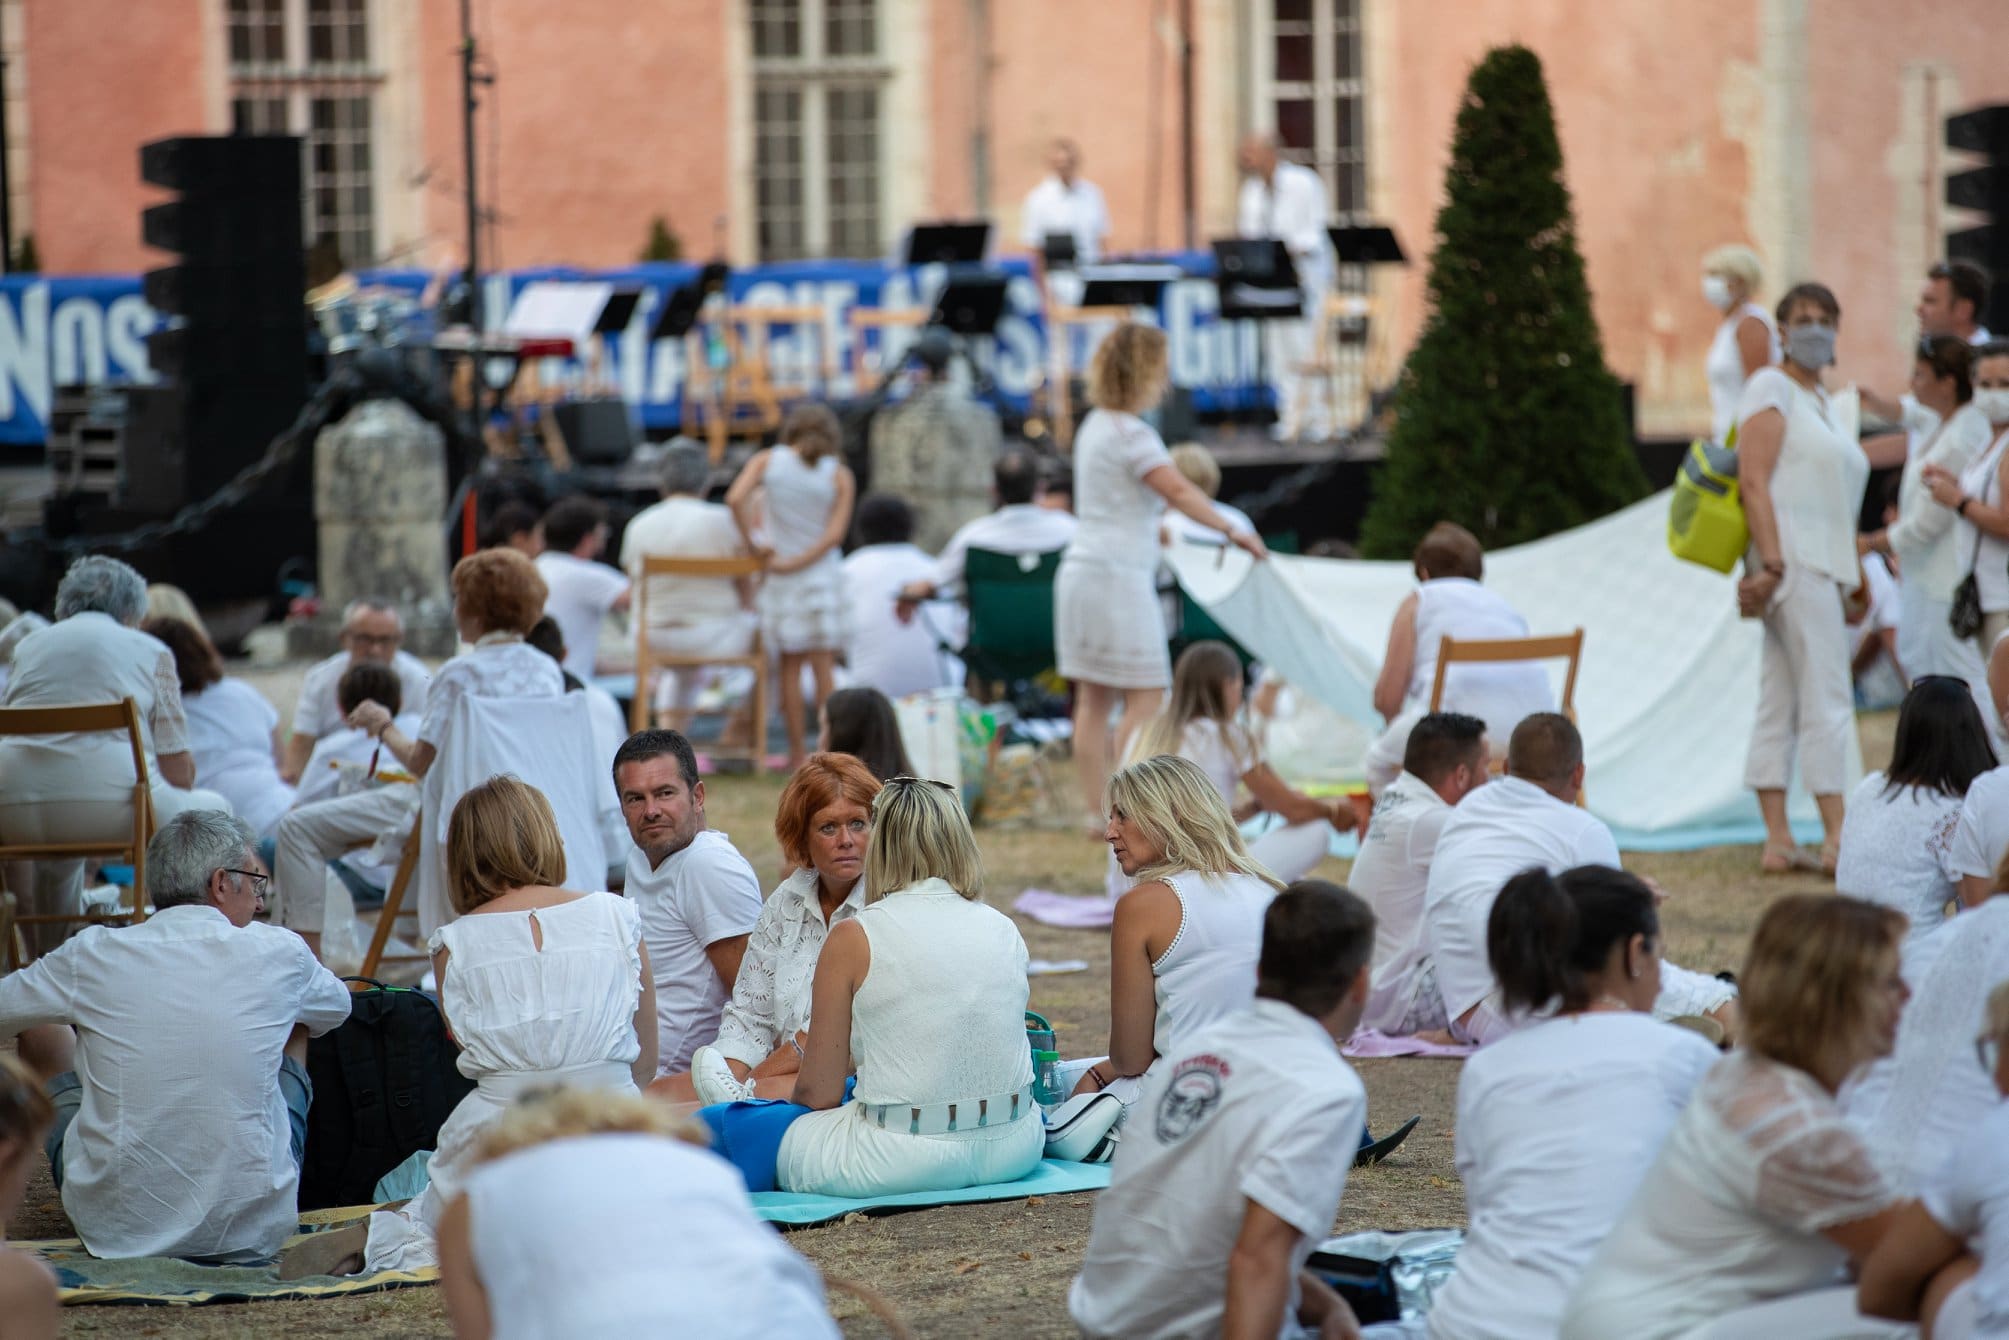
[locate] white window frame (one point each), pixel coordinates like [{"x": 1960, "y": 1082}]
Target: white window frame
[
  {"x": 298, "y": 81},
  {"x": 815, "y": 73},
  {"x": 1323, "y": 90}
]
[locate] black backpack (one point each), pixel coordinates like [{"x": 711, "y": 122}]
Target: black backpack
[{"x": 383, "y": 1083}]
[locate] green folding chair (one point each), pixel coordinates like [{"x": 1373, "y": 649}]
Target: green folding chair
[{"x": 1010, "y": 598}]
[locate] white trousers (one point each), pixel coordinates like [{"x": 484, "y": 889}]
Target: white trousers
[
  {"x": 1806, "y": 703},
  {"x": 1822, "y": 1314},
  {"x": 56, "y": 888},
  {"x": 309, "y": 837},
  {"x": 1290, "y": 852},
  {"x": 1287, "y": 346}
]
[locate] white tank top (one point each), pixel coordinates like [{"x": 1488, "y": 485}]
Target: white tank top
[
  {"x": 1499, "y": 695},
  {"x": 940, "y": 1016},
  {"x": 1725, "y": 366},
  {"x": 799, "y": 499},
  {"x": 1209, "y": 970},
  {"x": 1991, "y": 557}
]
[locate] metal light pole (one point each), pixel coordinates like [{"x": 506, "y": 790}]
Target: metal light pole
[{"x": 467, "y": 83}]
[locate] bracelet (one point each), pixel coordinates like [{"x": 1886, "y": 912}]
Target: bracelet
[
  {"x": 1960, "y": 508},
  {"x": 1777, "y": 569}
]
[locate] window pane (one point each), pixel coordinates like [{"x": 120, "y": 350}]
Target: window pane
[
  {"x": 1346, "y": 54},
  {"x": 777, "y": 122},
  {"x": 1293, "y": 11},
  {"x": 850, "y": 27},
  {"x": 852, "y": 116},
  {"x": 1295, "y": 123},
  {"x": 777, "y": 28},
  {"x": 1293, "y": 57}
]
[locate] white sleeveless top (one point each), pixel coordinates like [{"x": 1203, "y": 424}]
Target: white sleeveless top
[
  {"x": 1725, "y": 366},
  {"x": 1981, "y": 482},
  {"x": 690, "y": 1258},
  {"x": 799, "y": 499},
  {"x": 1500, "y": 695},
  {"x": 1209, "y": 970},
  {"x": 940, "y": 1016}
]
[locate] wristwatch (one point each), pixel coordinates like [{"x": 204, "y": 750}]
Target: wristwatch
[{"x": 1960, "y": 508}]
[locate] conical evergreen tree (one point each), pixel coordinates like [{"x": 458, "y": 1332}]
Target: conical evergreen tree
[{"x": 1506, "y": 420}]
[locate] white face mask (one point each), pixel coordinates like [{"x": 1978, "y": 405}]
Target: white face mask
[
  {"x": 1993, "y": 401},
  {"x": 1716, "y": 292}
]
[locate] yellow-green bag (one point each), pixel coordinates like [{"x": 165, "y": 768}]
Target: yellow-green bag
[{"x": 1705, "y": 520}]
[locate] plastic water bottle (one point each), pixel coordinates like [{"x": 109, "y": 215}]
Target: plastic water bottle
[{"x": 1046, "y": 1079}]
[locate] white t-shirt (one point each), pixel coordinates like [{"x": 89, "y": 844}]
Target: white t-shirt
[
  {"x": 695, "y": 898},
  {"x": 1225, "y": 756},
  {"x": 884, "y": 654},
  {"x": 1557, "y": 1124},
  {"x": 1896, "y": 849},
  {"x": 230, "y": 729},
  {"x": 1733, "y": 1212},
  {"x": 1020, "y": 528},
  {"x": 1982, "y": 834},
  {"x": 319, "y": 710},
  {"x": 1817, "y": 487},
  {"x": 1495, "y": 833},
  {"x": 1116, "y": 512},
  {"x": 580, "y": 592},
  {"x": 689, "y": 1257},
  {"x": 1292, "y": 207},
  {"x": 1391, "y": 873},
  {"x": 683, "y": 527},
  {"x": 1079, "y": 211},
  {"x": 1969, "y": 1198},
  {"x": 1257, "y": 1106}
]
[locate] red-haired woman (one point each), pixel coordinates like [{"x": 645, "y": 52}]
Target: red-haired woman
[{"x": 822, "y": 822}]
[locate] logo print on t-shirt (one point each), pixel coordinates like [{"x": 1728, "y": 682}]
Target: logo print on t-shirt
[{"x": 1195, "y": 1091}]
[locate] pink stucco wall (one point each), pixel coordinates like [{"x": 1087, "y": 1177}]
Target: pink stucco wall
[{"x": 106, "y": 76}]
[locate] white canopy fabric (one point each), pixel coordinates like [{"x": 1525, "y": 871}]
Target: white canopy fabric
[{"x": 1665, "y": 695}]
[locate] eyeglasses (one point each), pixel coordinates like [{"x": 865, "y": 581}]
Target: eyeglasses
[
  {"x": 1988, "y": 1051},
  {"x": 258, "y": 881}
]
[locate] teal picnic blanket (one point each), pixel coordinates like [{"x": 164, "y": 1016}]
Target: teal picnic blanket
[
  {"x": 83, "y": 1279},
  {"x": 1053, "y": 1177}
]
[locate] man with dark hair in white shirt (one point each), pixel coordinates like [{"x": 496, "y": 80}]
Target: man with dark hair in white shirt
[
  {"x": 1018, "y": 526},
  {"x": 175, "y": 1053},
  {"x": 1235, "y": 1155}
]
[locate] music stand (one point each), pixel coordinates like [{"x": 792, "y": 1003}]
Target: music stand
[
  {"x": 1126, "y": 285},
  {"x": 679, "y": 314},
  {"x": 620, "y": 310},
  {"x": 1256, "y": 281},
  {"x": 948, "y": 243},
  {"x": 1057, "y": 250},
  {"x": 1372, "y": 245},
  {"x": 970, "y": 305}
]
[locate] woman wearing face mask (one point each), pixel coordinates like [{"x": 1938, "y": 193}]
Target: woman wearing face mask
[
  {"x": 1931, "y": 554},
  {"x": 1979, "y": 494},
  {"x": 1746, "y": 339},
  {"x": 1802, "y": 483}
]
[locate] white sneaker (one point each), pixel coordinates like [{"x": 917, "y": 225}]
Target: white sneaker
[{"x": 714, "y": 1080}]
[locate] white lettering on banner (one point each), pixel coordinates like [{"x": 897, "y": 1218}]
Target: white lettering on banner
[
  {"x": 24, "y": 353},
  {"x": 128, "y": 322},
  {"x": 77, "y": 343}
]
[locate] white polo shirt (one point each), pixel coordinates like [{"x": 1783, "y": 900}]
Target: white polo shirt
[
  {"x": 1258, "y": 1106},
  {"x": 1982, "y": 834},
  {"x": 1078, "y": 210},
  {"x": 579, "y": 592},
  {"x": 319, "y": 711},
  {"x": 1392, "y": 873},
  {"x": 695, "y": 898},
  {"x": 1501, "y": 829}
]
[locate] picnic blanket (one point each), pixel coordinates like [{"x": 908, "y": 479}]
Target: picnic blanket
[
  {"x": 83, "y": 1279},
  {"x": 1369, "y": 1042},
  {"x": 1069, "y": 911},
  {"x": 1052, "y": 1177}
]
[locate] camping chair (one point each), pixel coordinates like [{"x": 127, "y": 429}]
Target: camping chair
[
  {"x": 1011, "y": 617},
  {"x": 1495, "y": 650},
  {"x": 128, "y": 846},
  {"x": 648, "y": 660}
]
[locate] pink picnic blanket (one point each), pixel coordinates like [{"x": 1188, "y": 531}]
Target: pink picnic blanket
[
  {"x": 1370, "y": 1043},
  {"x": 1069, "y": 911}
]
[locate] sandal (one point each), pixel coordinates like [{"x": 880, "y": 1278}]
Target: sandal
[
  {"x": 1830, "y": 854},
  {"x": 1785, "y": 860}
]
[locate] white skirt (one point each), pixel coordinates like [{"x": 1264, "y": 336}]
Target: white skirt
[
  {"x": 808, "y": 610},
  {"x": 1108, "y": 627}
]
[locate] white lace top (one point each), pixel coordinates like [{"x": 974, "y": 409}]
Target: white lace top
[
  {"x": 1896, "y": 849},
  {"x": 1732, "y": 1213},
  {"x": 770, "y": 1000}
]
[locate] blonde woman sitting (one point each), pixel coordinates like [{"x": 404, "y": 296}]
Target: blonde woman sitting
[
  {"x": 1203, "y": 725},
  {"x": 539, "y": 985},
  {"x": 926, "y": 989},
  {"x": 524, "y": 1249},
  {"x": 1184, "y": 945}
]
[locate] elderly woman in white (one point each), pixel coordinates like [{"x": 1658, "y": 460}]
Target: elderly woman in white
[
  {"x": 822, "y": 822},
  {"x": 77, "y": 788},
  {"x": 1802, "y": 482},
  {"x": 1933, "y": 554},
  {"x": 1746, "y": 338}
]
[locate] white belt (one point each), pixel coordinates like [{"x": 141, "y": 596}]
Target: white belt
[
  {"x": 965, "y": 1114},
  {"x": 509, "y": 1085}
]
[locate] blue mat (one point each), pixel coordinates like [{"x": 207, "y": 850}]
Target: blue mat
[{"x": 1051, "y": 1178}]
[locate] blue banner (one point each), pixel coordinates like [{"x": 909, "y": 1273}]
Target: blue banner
[{"x": 60, "y": 330}]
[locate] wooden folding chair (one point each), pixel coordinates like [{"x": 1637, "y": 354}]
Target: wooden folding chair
[
  {"x": 129, "y": 847},
  {"x": 394, "y": 908},
  {"x": 648, "y": 660},
  {"x": 1476, "y": 651}
]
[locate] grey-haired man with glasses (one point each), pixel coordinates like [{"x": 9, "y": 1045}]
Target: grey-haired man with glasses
[{"x": 175, "y": 1054}]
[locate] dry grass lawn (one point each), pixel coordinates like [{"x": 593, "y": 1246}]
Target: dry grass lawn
[{"x": 1004, "y": 1267}]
